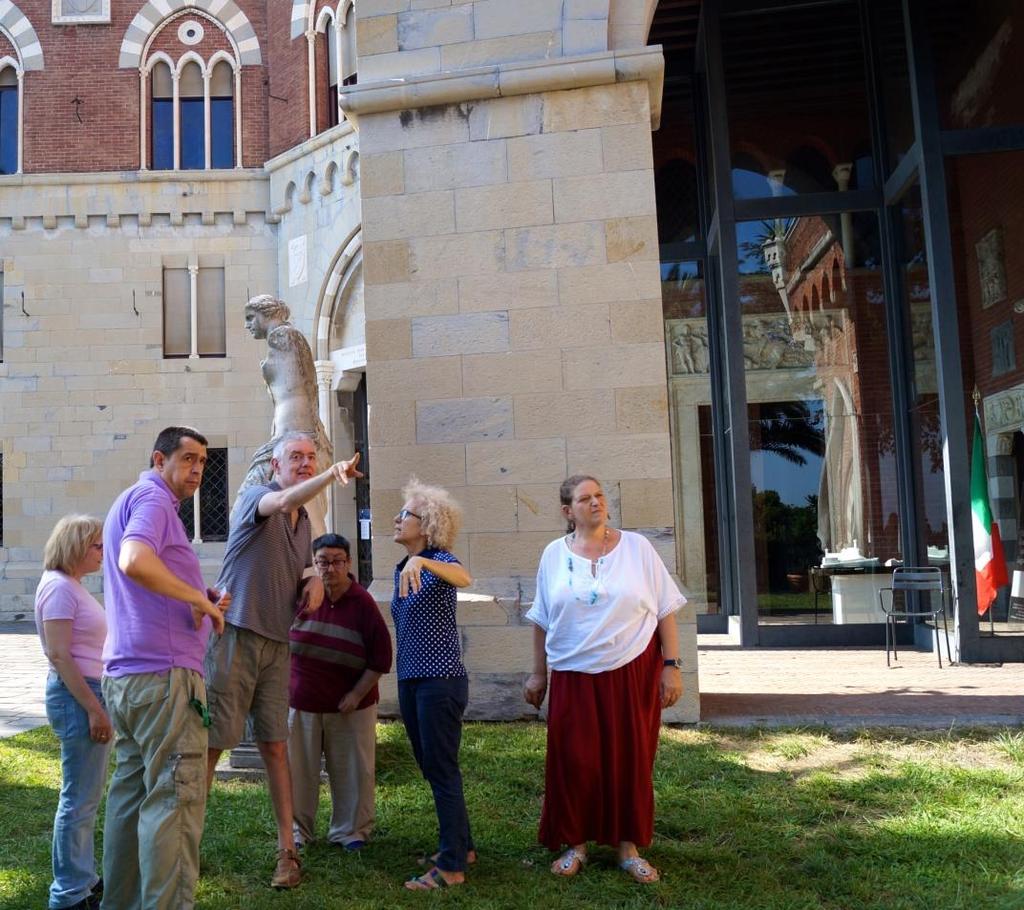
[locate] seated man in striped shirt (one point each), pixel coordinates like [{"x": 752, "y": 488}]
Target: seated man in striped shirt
[{"x": 339, "y": 651}]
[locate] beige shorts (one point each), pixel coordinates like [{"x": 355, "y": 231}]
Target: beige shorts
[{"x": 246, "y": 672}]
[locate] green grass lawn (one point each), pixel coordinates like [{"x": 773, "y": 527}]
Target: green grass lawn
[{"x": 751, "y": 819}]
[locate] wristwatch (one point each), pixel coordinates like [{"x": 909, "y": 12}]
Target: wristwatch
[{"x": 676, "y": 662}]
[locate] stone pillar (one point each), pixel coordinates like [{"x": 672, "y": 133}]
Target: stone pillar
[{"x": 514, "y": 328}]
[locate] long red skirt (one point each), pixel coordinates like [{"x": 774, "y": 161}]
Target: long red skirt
[{"x": 602, "y": 736}]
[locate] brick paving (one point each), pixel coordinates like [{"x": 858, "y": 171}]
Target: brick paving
[{"x": 843, "y": 687}]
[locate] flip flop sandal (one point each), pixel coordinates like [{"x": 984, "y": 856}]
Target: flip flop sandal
[
  {"x": 569, "y": 863},
  {"x": 638, "y": 869},
  {"x": 429, "y": 881}
]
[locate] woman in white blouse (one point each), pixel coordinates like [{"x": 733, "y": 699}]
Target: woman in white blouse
[{"x": 605, "y": 625}]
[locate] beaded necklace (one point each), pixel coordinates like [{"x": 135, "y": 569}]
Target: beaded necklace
[{"x": 595, "y": 565}]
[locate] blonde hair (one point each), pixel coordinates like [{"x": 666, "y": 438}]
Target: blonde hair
[
  {"x": 440, "y": 515},
  {"x": 69, "y": 542}
]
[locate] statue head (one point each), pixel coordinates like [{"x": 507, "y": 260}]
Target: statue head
[{"x": 262, "y": 312}]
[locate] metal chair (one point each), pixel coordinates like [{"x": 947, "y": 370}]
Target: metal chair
[
  {"x": 821, "y": 584},
  {"x": 925, "y": 579}
]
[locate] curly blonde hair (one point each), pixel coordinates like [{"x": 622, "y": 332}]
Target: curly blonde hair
[
  {"x": 69, "y": 542},
  {"x": 440, "y": 515}
]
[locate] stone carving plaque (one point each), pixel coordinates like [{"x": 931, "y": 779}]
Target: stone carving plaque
[
  {"x": 771, "y": 341},
  {"x": 1005, "y": 410},
  {"x": 1004, "y": 359},
  {"x": 991, "y": 267}
]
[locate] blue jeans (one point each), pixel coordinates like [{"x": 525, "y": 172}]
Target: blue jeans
[
  {"x": 83, "y": 774},
  {"x": 432, "y": 712}
]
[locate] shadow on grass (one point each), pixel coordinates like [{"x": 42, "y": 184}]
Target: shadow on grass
[{"x": 901, "y": 835}]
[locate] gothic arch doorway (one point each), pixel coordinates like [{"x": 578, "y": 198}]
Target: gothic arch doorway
[{"x": 340, "y": 351}]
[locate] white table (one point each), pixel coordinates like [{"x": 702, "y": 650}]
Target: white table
[{"x": 855, "y": 595}]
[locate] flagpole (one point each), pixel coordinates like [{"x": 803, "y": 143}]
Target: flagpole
[{"x": 976, "y": 395}]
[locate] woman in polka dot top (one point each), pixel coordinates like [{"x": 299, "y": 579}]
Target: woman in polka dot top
[{"x": 432, "y": 686}]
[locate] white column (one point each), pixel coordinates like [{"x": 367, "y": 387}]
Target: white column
[
  {"x": 207, "y": 143},
  {"x": 238, "y": 116},
  {"x": 21, "y": 118},
  {"x": 197, "y": 522},
  {"x": 311, "y": 74},
  {"x": 143, "y": 166},
  {"x": 324, "y": 381},
  {"x": 841, "y": 174},
  {"x": 176, "y": 104},
  {"x": 193, "y": 299}
]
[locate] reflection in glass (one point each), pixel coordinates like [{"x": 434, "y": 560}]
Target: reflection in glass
[
  {"x": 808, "y": 61},
  {"x": 978, "y": 52},
  {"x": 675, "y": 183},
  {"x": 925, "y": 418},
  {"x": 894, "y": 81},
  {"x": 823, "y": 475},
  {"x": 686, "y": 335},
  {"x": 985, "y": 207}
]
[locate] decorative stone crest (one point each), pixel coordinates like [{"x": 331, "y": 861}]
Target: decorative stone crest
[{"x": 1005, "y": 410}]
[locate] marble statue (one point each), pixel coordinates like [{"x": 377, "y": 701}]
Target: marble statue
[{"x": 290, "y": 376}]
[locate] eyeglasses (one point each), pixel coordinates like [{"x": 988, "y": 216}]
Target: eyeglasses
[
  {"x": 330, "y": 563},
  {"x": 405, "y": 513}
]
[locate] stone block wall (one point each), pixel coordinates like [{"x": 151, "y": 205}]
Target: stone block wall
[
  {"x": 417, "y": 37},
  {"x": 514, "y": 332},
  {"x": 85, "y": 385}
]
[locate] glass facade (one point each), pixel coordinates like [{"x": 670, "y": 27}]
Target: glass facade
[{"x": 838, "y": 304}]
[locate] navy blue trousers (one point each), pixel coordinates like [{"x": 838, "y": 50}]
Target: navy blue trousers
[{"x": 432, "y": 710}]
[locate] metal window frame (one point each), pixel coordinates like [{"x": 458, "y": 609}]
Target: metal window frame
[{"x": 924, "y": 163}]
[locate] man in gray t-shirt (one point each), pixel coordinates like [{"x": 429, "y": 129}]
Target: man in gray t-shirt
[{"x": 247, "y": 667}]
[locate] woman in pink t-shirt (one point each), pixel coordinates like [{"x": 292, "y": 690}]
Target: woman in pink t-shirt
[{"x": 72, "y": 627}]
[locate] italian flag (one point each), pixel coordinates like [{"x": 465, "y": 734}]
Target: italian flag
[{"x": 989, "y": 561}]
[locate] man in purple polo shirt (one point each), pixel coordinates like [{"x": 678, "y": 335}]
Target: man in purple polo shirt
[{"x": 157, "y": 606}]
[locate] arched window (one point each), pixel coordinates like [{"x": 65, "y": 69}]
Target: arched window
[
  {"x": 8, "y": 119},
  {"x": 332, "y": 76},
  {"x": 332, "y": 62},
  {"x": 162, "y": 117},
  {"x": 192, "y": 111},
  {"x": 222, "y": 115},
  {"x": 347, "y": 40}
]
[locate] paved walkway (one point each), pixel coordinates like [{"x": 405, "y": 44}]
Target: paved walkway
[
  {"x": 840, "y": 687},
  {"x": 23, "y": 671},
  {"x": 850, "y": 687}
]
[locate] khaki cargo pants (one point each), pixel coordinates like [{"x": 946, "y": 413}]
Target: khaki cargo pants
[{"x": 157, "y": 795}]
